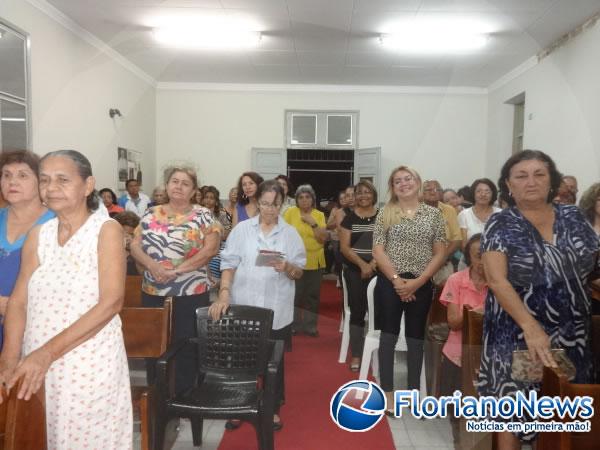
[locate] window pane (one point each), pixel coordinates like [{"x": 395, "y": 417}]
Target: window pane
[
  {"x": 339, "y": 130},
  {"x": 304, "y": 129},
  {"x": 13, "y": 126},
  {"x": 12, "y": 64}
]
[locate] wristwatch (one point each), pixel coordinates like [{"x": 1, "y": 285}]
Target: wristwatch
[
  {"x": 395, "y": 276},
  {"x": 314, "y": 225}
]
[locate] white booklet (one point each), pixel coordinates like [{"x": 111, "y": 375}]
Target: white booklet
[{"x": 268, "y": 257}]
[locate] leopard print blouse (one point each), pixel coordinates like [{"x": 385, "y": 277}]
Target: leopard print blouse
[{"x": 409, "y": 243}]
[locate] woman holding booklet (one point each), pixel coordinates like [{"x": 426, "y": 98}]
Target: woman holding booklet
[{"x": 262, "y": 258}]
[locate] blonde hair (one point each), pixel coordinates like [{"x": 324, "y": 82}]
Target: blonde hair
[{"x": 392, "y": 212}]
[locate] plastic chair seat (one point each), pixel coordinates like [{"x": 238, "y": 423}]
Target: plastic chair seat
[{"x": 217, "y": 397}]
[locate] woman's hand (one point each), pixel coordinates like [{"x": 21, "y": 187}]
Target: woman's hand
[
  {"x": 218, "y": 308},
  {"x": 366, "y": 271},
  {"x": 33, "y": 371},
  {"x": 406, "y": 288},
  {"x": 280, "y": 265},
  {"x": 161, "y": 273},
  {"x": 308, "y": 219},
  {"x": 7, "y": 369},
  {"x": 538, "y": 344}
]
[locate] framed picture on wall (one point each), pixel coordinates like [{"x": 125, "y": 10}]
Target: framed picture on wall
[{"x": 129, "y": 166}]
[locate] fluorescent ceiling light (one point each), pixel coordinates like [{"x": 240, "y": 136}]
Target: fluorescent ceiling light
[
  {"x": 436, "y": 36},
  {"x": 187, "y": 37},
  {"x": 13, "y": 119}
]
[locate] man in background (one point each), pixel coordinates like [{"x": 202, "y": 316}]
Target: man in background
[{"x": 134, "y": 201}]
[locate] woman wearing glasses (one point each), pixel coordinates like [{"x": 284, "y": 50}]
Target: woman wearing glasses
[
  {"x": 247, "y": 281},
  {"x": 409, "y": 245}
]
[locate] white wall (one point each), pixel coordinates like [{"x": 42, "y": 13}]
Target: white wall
[
  {"x": 73, "y": 85},
  {"x": 442, "y": 136},
  {"x": 562, "y": 110}
]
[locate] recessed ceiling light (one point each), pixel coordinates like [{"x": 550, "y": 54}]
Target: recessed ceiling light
[
  {"x": 436, "y": 36},
  {"x": 198, "y": 37}
]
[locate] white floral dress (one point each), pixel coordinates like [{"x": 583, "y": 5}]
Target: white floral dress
[{"x": 88, "y": 398}]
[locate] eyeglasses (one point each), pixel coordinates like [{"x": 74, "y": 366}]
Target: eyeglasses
[
  {"x": 406, "y": 179},
  {"x": 264, "y": 205}
]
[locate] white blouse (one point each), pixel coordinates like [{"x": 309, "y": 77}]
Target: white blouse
[{"x": 469, "y": 221}]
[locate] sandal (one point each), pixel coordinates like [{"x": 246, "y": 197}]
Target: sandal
[
  {"x": 354, "y": 366},
  {"x": 232, "y": 424}
]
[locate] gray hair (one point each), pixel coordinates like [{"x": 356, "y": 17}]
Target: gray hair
[
  {"x": 84, "y": 168},
  {"x": 306, "y": 189},
  {"x": 188, "y": 170}
]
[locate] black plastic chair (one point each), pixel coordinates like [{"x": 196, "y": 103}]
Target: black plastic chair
[{"x": 237, "y": 375}]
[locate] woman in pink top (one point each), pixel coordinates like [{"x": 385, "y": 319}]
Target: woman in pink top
[{"x": 466, "y": 288}]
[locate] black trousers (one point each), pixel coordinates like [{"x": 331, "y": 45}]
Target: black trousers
[
  {"x": 357, "y": 301},
  {"x": 388, "y": 310},
  {"x": 184, "y": 326}
]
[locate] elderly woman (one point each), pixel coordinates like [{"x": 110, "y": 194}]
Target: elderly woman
[
  {"x": 590, "y": 206},
  {"x": 62, "y": 323},
  {"x": 409, "y": 245},
  {"x": 159, "y": 196},
  {"x": 246, "y": 204},
  {"x": 24, "y": 210},
  {"x": 467, "y": 288},
  {"x": 109, "y": 198},
  {"x": 270, "y": 286},
  {"x": 356, "y": 242},
  {"x": 537, "y": 257},
  {"x": 174, "y": 243},
  {"x": 310, "y": 224},
  {"x": 472, "y": 220},
  {"x": 450, "y": 197}
]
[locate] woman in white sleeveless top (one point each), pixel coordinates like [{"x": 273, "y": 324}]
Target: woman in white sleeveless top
[{"x": 62, "y": 325}]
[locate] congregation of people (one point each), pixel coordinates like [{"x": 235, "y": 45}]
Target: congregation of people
[{"x": 520, "y": 251}]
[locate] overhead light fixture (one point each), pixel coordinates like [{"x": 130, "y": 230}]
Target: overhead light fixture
[
  {"x": 13, "y": 119},
  {"x": 436, "y": 36},
  {"x": 210, "y": 39}
]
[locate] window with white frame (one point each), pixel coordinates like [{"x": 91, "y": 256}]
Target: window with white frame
[{"x": 321, "y": 129}]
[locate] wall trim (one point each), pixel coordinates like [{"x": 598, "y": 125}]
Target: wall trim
[
  {"x": 325, "y": 88},
  {"x": 515, "y": 73},
  {"x": 88, "y": 37}
]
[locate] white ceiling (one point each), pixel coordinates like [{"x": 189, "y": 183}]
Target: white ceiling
[{"x": 330, "y": 41}]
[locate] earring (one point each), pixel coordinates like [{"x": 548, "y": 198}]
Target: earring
[{"x": 509, "y": 193}]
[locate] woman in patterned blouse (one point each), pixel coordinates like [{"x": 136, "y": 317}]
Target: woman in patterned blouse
[
  {"x": 174, "y": 243},
  {"x": 537, "y": 257},
  {"x": 409, "y": 244}
]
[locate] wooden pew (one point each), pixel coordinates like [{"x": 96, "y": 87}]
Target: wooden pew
[
  {"x": 472, "y": 333},
  {"x": 555, "y": 384},
  {"x": 436, "y": 335},
  {"x": 471, "y": 350},
  {"x": 23, "y": 423},
  {"x": 133, "y": 291},
  {"x": 147, "y": 334}
]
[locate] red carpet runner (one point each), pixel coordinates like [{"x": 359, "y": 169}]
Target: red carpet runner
[{"x": 313, "y": 375}]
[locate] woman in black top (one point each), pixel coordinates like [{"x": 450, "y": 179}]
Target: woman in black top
[{"x": 356, "y": 244}]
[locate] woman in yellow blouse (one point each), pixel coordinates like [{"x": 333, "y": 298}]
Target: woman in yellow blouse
[{"x": 310, "y": 224}]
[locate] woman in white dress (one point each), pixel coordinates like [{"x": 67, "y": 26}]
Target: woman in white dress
[
  {"x": 62, "y": 324},
  {"x": 473, "y": 220}
]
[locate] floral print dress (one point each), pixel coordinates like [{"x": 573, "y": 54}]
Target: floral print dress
[{"x": 172, "y": 239}]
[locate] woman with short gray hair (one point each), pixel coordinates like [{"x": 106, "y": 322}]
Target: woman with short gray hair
[{"x": 310, "y": 224}]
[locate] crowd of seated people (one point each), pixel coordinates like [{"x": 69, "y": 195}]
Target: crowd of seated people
[{"x": 474, "y": 244}]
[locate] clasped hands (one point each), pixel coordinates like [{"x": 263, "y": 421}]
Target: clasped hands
[
  {"x": 406, "y": 288},
  {"x": 32, "y": 369},
  {"x": 162, "y": 273}
]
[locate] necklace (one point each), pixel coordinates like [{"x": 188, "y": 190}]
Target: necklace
[{"x": 367, "y": 218}]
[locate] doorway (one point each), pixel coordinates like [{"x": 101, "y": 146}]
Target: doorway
[{"x": 327, "y": 171}]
